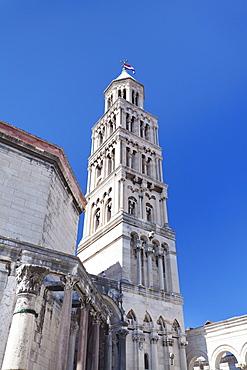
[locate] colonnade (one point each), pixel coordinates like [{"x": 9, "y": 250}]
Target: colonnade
[
  {"x": 151, "y": 252},
  {"x": 18, "y": 352}
]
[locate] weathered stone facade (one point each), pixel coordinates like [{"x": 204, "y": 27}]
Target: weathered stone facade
[
  {"x": 53, "y": 314},
  {"x": 219, "y": 345},
  {"x": 126, "y": 230}
]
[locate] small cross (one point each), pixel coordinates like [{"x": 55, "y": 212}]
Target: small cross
[{"x": 123, "y": 62}]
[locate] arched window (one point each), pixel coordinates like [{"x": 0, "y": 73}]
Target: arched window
[
  {"x": 131, "y": 318},
  {"x": 141, "y": 129},
  {"x": 110, "y": 127},
  {"x": 108, "y": 103},
  {"x": 127, "y": 121},
  {"x": 133, "y": 97},
  {"x": 109, "y": 162},
  {"x": 132, "y": 206},
  {"x": 132, "y": 124},
  {"x": 137, "y": 99},
  {"x": 127, "y": 156},
  {"x": 146, "y": 132},
  {"x": 149, "y": 166},
  {"x": 113, "y": 159},
  {"x": 146, "y": 362},
  {"x": 108, "y": 210},
  {"x": 100, "y": 138},
  {"x": 148, "y": 322},
  {"x": 161, "y": 323},
  {"x": 134, "y": 160},
  {"x": 96, "y": 219},
  {"x": 176, "y": 327},
  {"x": 149, "y": 212},
  {"x": 119, "y": 93},
  {"x": 143, "y": 164},
  {"x": 124, "y": 93}
]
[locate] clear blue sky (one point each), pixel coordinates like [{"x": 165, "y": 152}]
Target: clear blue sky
[{"x": 58, "y": 56}]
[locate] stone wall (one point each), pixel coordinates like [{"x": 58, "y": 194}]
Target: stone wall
[{"x": 35, "y": 206}]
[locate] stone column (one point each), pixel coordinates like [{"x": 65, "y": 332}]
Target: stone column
[
  {"x": 122, "y": 333},
  {"x": 121, "y": 194},
  {"x": 149, "y": 252},
  {"x": 71, "y": 352},
  {"x": 7, "y": 308},
  {"x": 64, "y": 328},
  {"x": 95, "y": 344},
  {"x": 167, "y": 342},
  {"x": 154, "y": 353},
  {"x": 138, "y": 339},
  {"x": 83, "y": 331},
  {"x": 165, "y": 216},
  {"x": 29, "y": 279},
  {"x": 160, "y": 254},
  {"x": 141, "y": 206},
  {"x": 108, "y": 350},
  {"x": 138, "y": 249},
  {"x": 182, "y": 354}
]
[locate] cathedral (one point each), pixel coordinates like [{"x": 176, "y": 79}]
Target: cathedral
[{"x": 117, "y": 304}]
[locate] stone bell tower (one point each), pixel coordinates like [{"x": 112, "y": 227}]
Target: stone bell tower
[{"x": 126, "y": 230}]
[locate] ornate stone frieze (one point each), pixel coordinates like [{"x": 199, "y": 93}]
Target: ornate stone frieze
[{"x": 29, "y": 278}]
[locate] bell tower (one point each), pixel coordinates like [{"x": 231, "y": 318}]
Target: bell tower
[{"x": 126, "y": 231}]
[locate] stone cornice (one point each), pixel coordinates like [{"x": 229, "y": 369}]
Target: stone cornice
[
  {"x": 175, "y": 298},
  {"x": 46, "y": 151}
]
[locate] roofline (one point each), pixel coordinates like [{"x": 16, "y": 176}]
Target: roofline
[{"x": 46, "y": 150}]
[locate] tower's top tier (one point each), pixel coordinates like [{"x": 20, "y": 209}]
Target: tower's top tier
[{"x": 126, "y": 87}]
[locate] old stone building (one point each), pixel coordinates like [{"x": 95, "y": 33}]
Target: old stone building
[
  {"x": 218, "y": 345},
  {"x": 126, "y": 232},
  {"x": 117, "y": 305}
]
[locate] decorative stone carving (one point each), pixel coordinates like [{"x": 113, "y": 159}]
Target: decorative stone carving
[
  {"x": 29, "y": 278},
  {"x": 139, "y": 337},
  {"x": 69, "y": 281},
  {"x": 153, "y": 337},
  {"x": 122, "y": 333},
  {"x": 168, "y": 341},
  {"x": 182, "y": 343}
]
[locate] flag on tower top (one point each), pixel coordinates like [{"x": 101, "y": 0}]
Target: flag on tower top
[{"x": 129, "y": 68}]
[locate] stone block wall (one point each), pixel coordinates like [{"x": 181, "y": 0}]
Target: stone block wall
[{"x": 35, "y": 205}]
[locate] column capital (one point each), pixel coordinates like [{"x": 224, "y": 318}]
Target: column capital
[
  {"x": 122, "y": 333},
  {"x": 149, "y": 249},
  {"x": 29, "y": 278},
  {"x": 153, "y": 338},
  {"x": 182, "y": 343},
  {"x": 168, "y": 341},
  {"x": 97, "y": 318},
  {"x": 159, "y": 253},
  {"x": 69, "y": 281},
  {"x": 84, "y": 301},
  {"x": 139, "y": 336},
  {"x": 138, "y": 245}
]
